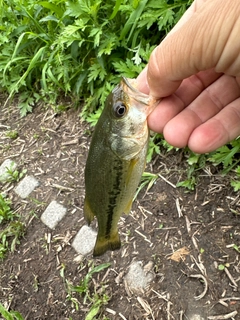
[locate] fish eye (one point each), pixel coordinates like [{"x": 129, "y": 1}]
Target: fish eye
[{"x": 119, "y": 109}]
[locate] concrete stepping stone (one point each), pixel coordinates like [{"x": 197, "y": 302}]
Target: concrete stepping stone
[
  {"x": 138, "y": 277},
  {"x": 5, "y": 166},
  {"x": 196, "y": 317},
  {"x": 84, "y": 240},
  {"x": 53, "y": 214},
  {"x": 26, "y": 186}
]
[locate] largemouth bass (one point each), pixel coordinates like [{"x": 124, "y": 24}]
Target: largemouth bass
[{"x": 116, "y": 161}]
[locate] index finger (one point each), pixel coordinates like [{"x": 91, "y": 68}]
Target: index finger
[
  {"x": 142, "y": 77},
  {"x": 197, "y": 45},
  {"x": 188, "y": 91}
]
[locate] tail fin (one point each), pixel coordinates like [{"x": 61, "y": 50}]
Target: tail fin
[{"x": 102, "y": 244}]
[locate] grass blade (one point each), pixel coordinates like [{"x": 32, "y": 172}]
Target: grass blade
[
  {"x": 56, "y": 9},
  {"x": 133, "y": 20},
  {"x": 115, "y": 10},
  {"x": 32, "y": 64},
  {"x": 6, "y": 314}
]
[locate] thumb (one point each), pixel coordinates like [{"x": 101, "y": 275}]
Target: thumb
[{"x": 208, "y": 39}]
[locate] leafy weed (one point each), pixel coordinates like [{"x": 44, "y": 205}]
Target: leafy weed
[
  {"x": 95, "y": 297},
  {"x": 10, "y": 315},
  {"x": 78, "y": 48},
  {"x": 11, "y": 228}
]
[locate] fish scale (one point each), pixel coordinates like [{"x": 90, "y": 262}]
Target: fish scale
[{"x": 116, "y": 161}]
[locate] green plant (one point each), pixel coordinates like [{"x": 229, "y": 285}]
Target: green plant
[
  {"x": 15, "y": 175},
  {"x": 96, "y": 297},
  {"x": 147, "y": 179},
  {"x": 10, "y": 315},
  {"x": 154, "y": 146},
  {"x": 78, "y": 48},
  {"x": 36, "y": 136},
  {"x": 235, "y": 183},
  {"x": 195, "y": 162},
  {"x": 11, "y": 228},
  {"x": 225, "y": 158},
  {"x": 12, "y": 134},
  {"x": 221, "y": 267},
  {"x": 37, "y": 202},
  {"x": 6, "y": 214},
  {"x": 228, "y": 157},
  {"x": 12, "y": 174},
  {"x": 10, "y": 237},
  {"x": 237, "y": 248}
]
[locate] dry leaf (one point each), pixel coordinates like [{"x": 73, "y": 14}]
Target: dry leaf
[{"x": 179, "y": 254}]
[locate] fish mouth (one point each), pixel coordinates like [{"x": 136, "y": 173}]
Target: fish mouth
[{"x": 147, "y": 102}]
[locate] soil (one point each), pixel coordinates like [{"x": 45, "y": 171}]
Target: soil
[{"x": 182, "y": 236}]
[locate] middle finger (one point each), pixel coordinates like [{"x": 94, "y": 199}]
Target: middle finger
[
  {"x": 209, "y": 103},
  {"x": 188, "y": 91}
]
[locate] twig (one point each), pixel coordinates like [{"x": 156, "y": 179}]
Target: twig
[
  {"x": 181, "y": 315},
  {"x": 223, "y": 316},
  {"x": 122, "y": 316},
  {"x": 230, "y": 298},
  {"x": 159, "y": 295},
  {"x": 195, "y": 243},
  {"x": 205, "y": 285},
  {"x": 111, "y": 311},
  {"x": 67, "y": 143},
  {"x": 188, "y": 225},
  {"x": 142, "y": 235},
  {"x": 145, "y": 306},
  {"x": 58, "y": 186},
  {"x": 178, "y": 208},
  {"x": 223, "y": 303},
  {"x": 230, "y": 277},
  {"x": 168, "y": 307},
  {"x": 170, "y": 183},
  {"x": 200, "y": 265}
]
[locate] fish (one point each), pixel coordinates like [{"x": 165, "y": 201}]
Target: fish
[{"x": 116, "y": 161}]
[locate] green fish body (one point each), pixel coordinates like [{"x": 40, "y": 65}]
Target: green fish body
[{"x": 116, "y": 161}]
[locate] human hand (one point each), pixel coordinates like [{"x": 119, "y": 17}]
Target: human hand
[{"x": 196, "y": 70}]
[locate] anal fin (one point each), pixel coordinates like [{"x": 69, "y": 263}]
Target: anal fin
[
  {"x": 128, "y": 207},
  {"x": 88, "y": 214}
]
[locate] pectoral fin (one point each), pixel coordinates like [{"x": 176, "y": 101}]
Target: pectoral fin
[
  {"x": 88, "y": 214},
  {"x": 132, "y": 165}
]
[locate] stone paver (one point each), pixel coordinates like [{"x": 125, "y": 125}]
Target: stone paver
[
  {"x": 196, "y": 317},
  {"x": 26, "y": 186},
  {"x": 84, "y": 241},
  {"x": 137, "y": 279},
  {"x": 53, "y": 214},
  {"x": 5, "y": 166}
]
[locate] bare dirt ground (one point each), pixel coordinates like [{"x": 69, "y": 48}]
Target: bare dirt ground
[{"x": 183, "y": 236}]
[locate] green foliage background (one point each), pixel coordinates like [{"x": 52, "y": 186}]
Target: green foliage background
[{"x": 80, "y": 49}]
